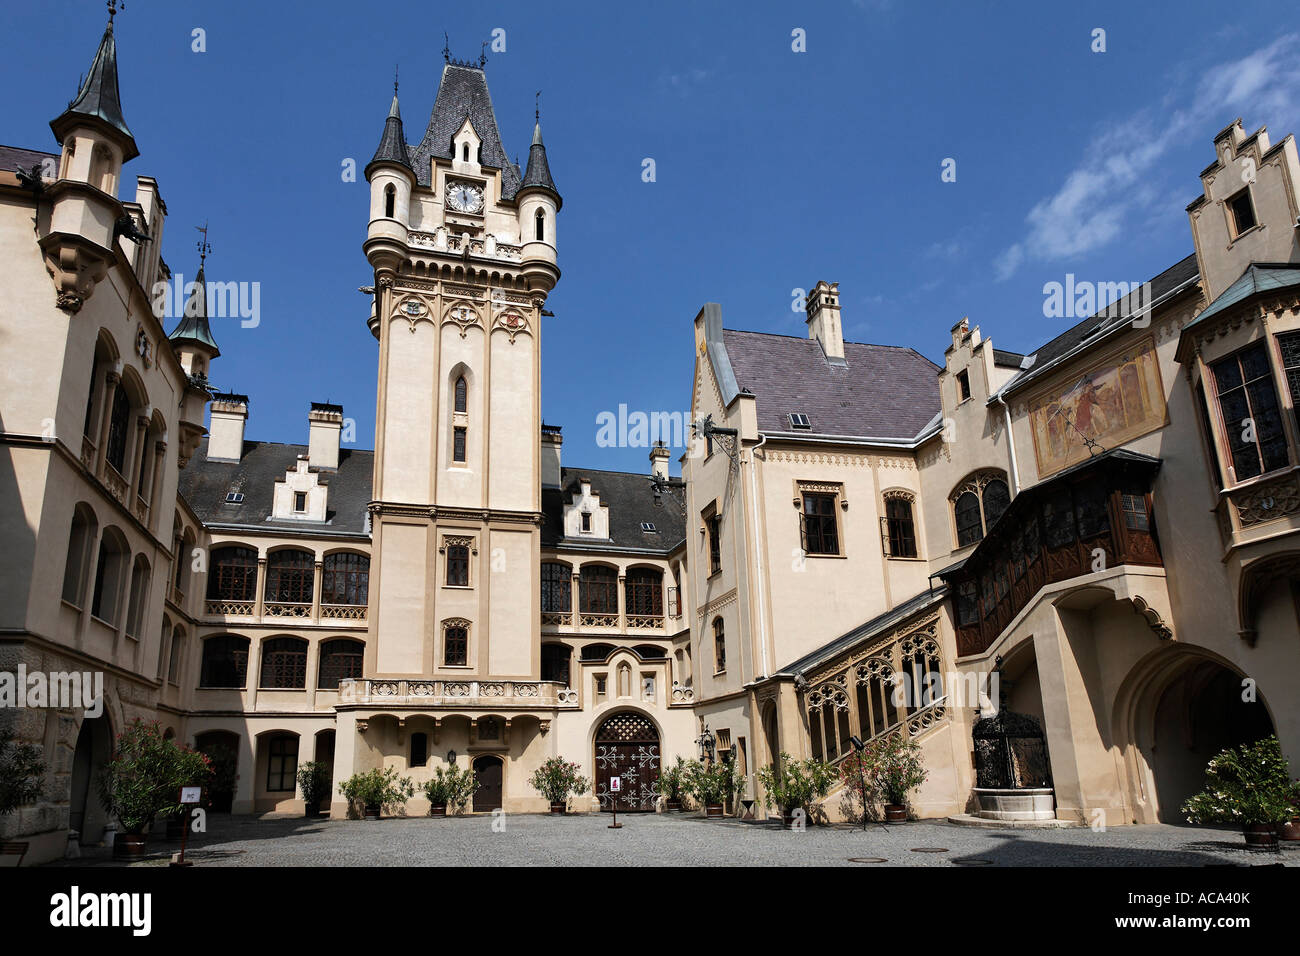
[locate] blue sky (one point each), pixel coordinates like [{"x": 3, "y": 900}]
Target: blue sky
[{"x": 773, "y": 168}]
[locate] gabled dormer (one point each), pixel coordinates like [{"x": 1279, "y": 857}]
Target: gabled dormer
[
  {"x": 584, "y": 515},
  {"x": 465, "y": 153},
  {"x": 300, "y": 495}
]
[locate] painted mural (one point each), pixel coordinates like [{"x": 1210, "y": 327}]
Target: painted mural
[{"x": 1118, "y": 399}]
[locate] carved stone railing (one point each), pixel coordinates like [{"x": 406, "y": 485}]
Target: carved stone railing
[
  {"x": 88, "y": 453},
  {"x": 140, "y": 508},
  {"x": 115, "y": 483},
  {"x": 488, "y": 246},
  {"x": 457, "y": 694},
  {"x": 598, "y": 620},
  {"x": 1258, "y": 501},
  {"x": 645, "y": 622},
  {"x": 229, "y": 608},
  {"x": 343, "y": 612},
  {"x": 286, "y": 609},
  {"x": 557, "y": 618}
]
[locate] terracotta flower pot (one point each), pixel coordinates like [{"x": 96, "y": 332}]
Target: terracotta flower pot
[
  {"x": 130, "y": 846},
  {"x": 895, "y": 813},
  {"x": 713, "y": 810},
  {"x": 1290, "y": 830},
  {"x": 672, "y": 804},
  {"x": 559, "y": 808},
  {"x": 438, "y": 810},
  {"x": 1259, "y": 836}
]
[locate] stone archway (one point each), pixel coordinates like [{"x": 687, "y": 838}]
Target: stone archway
[
  {"x": 94, "y": 746},
  {"x": 627, "y": 747},
  {"x": 1179, "y": 708}
]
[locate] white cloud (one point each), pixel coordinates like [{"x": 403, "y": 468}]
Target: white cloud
[{"x": 1117, "y": 180}]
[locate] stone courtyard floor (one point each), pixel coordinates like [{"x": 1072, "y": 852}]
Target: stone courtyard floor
[{"x": 685, "y": 840}]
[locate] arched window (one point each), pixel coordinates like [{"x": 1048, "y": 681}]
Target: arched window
[
  {"x": 345, "y": 579},
  {"x": 462, "y": 394},
  {"x": 555, "y": 663},
  {"x": 977, "y": 503},
  {"x": 233, "y": 574},
  {"x": 464, "y": 152},
  {"x": 282, "y": 764},
  {"x": 225, "y": 662},
  {"x": 597, "y": 652},
  {"x": 644, "y": 592},
  {"x": 174, "y": 658},
  {"x": 340, "y": 659},
  {"x": 719, "y": 647},
  {"x": 455, "y": 644},
  {"x": 557, "y": 588},
  {"x": 996, "y": 498},
  {"x": 184, "y": 550},
  {"x": 290, "y": 575},
  {"x": 284, "y": 663},
  {"x": 969, "y": 528},
  {"x": 900, "y": 531},
  {"x": 541, "y": 226},
  {"x": 80, "y": 541},
  {"x": 118, "y": 426},
  {"x": 390, "y": 200},
  {"x": 138, "y": 597},
  {"x": 110, "y": 576},
  {"x": 90, "y": 398},
  {"x": 598, "y": 590}
]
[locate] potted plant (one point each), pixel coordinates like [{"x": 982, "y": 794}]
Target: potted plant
[
  {"x": 21, "y": 775},
  {"x": 713, "y": 784},
  {"x": 1249, "y": 785},
  {"x": 142, "y": 780},
  {"x": 450, "y": 788},
  {"x": 314, "y": 781},
  {"x": 556, "y": 779},
  {"x": 671, "y": 784},
  {"x": 1290, "y": 829},
  {"x": 371, "y": 793},
  {"x": 793, "y": 785},
  {"x": 893, "y": 770}
]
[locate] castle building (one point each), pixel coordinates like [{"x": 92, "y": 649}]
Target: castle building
[{"x": 1099, "y": 535}]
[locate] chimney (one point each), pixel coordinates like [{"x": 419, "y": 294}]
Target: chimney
[
  {"x": 324, "y": 427},
  {"x": 552, "y": 440},
  {"x": 226, "y": 430},
  {"x": 824, "y": 320},
  {"x": 659, "y": 456}
]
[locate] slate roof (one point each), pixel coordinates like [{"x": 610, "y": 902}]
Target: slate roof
[
  {"x": 98, "y": 97},
  {"x": 1096, "y": 325},
  {"x": 631, "y": 500},
  {"x": 193, "y": 326},
  {"x": 867, "y": 630},
  {"x": 204, "y": 485},
  {"x": 463, "y": 91},
  {"x": 538, "y": 172},
  {"x": 883, "y": 391},
  {"x": 392, "y": 145},
  {"x": 12, "y": 157}
]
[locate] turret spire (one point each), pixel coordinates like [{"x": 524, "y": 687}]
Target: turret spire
[
  {"x": 392, "y": 145},
  {"x": 193, "y": 326},
  {"x": 538, "y": 173},
  {"x": 98, "y": 99}
]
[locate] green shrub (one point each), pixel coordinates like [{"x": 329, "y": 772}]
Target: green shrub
[
  {"x": 450, "y": 787},
  {"x": 557, "y": 778},
  {"x": 314, "y": 781},
  {"x": 21, "y": 773},
  {"x": 1248, "y": 784},
  {"x": 143, "y": 778},
  {"x": 796, "y": 784},
  {"x": 377, "y": 788},
  {"x": 714, "y": 783}
]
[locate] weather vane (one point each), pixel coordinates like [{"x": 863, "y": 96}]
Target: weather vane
[
  {"x": 396, "y": 67},
  {"x": 482, "y": 56},
  {"x": 537, "y": 106},
  {"x": 204, "y": 246},
  {"x": 446, "y": 47},
  {"x": 112, "y": 10}
]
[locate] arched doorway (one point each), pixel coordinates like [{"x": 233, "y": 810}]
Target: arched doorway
[
  {"x": 222, "y": 747},
  {"x": 770, "y": 738},
  {"x": 94, "y": 746},
  {"x": 627, "y": 747},
  {"x": 1200, "y": 713},
  {"x": 488, "y": 772},
  {"x": 325, "y": 755}
]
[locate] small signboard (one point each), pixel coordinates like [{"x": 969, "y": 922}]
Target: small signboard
[
  {"x": 615, "y": 784},
  {"x": 191, "y": 795}
]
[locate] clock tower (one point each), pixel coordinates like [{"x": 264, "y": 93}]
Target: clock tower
[{"x": 463, "y": 249}]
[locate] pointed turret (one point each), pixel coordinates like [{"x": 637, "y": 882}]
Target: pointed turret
[
  {"x": 98, "y": 102},
  {"x": 392, "y": 145},
  {"x": 193, "y": 328},
  {"x": 538, "y": 173}
]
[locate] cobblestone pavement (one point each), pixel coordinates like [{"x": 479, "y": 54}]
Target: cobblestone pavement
[{"x": 686, "y": 840}]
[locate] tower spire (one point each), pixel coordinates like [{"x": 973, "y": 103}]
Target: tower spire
[
  {"x": 193, "y": 327},
  {"x": 98, "y": 99},
  {"x": 392, "y": 145}
]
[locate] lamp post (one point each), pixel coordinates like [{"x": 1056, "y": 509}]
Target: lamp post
[
  {"x": 860, "y": 747},
  {"x": 707, "y": 744}
]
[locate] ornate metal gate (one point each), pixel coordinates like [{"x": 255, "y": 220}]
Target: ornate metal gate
[{"x": 627, "y": 747}]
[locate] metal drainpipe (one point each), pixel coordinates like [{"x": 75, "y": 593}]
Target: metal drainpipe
[
  {"x": 1011, "y": 443},
  {"x": 758, "y": 556}
]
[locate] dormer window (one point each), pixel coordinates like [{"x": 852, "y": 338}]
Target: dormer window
[
  {"x": 963, "y": 386},
  {"x": 586, "y": 522},
  {"x": 1242, "y": 211},
  {"x": 799, "y": 420},
  {"x": 300, "y": 501},
  {"x": 649, "y": 527},
  {"x": 234, "y": 497}
]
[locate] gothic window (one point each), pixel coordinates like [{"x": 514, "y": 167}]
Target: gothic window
[
  {"x": 644, "y": 592},
  {"x": 555, "y": 663},
  {"x": 598, "y": 590},
  {"x": 284, "y": 663},
  {"x": 340, "y": 659},
  {"x": 458, "y": 445},
  {"x": 977, "y": 503},
  {"x": 345, "y": 579},
  {"x": 225, "y": 662},
  {"x": 464, "y": 152},
  {"x": 455, "y": 644},
  {"x": 119, "y": 422},
  {"x": 1251, "y": 416},
  {"x": 900, "y": 530},
  {"x": 458, "y": 565},
  {"x": 80, "y": 541},
  {"x": 461, "y": 394},
  {"x": 819, "y": 524},
  {"x": 541, "y": 226},
  {"x": 713, "y": 529},
  {"x": 290, "y": 576},
  {"x": 390, "y": 201},
  {"x": 996, "y": 498},
  {"x": 282, "y": 764},
  {"x": 968, "y": 608},
  {"x": 719, "y": 647},
  {"x": 174, "y": 658},
  {"x": 557, "y": 587},
  {"x": 969, "y": 528},
  {"x": 233, "y": 575}
]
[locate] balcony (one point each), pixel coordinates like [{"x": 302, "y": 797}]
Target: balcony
[
  {"x": 1093, "y": 516},
  {"x": 457, "y": 694},
  {"x": 275, "y": 611}
]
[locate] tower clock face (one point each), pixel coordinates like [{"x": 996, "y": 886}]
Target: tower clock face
[{"x": 464, "y": 197}]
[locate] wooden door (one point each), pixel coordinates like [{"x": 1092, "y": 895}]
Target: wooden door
[
  {"x": 627, "y": 747},
  {"x": 487, "y": 770}
]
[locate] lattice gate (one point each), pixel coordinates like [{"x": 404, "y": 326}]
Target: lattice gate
[{"x": 627, "y": 746}]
